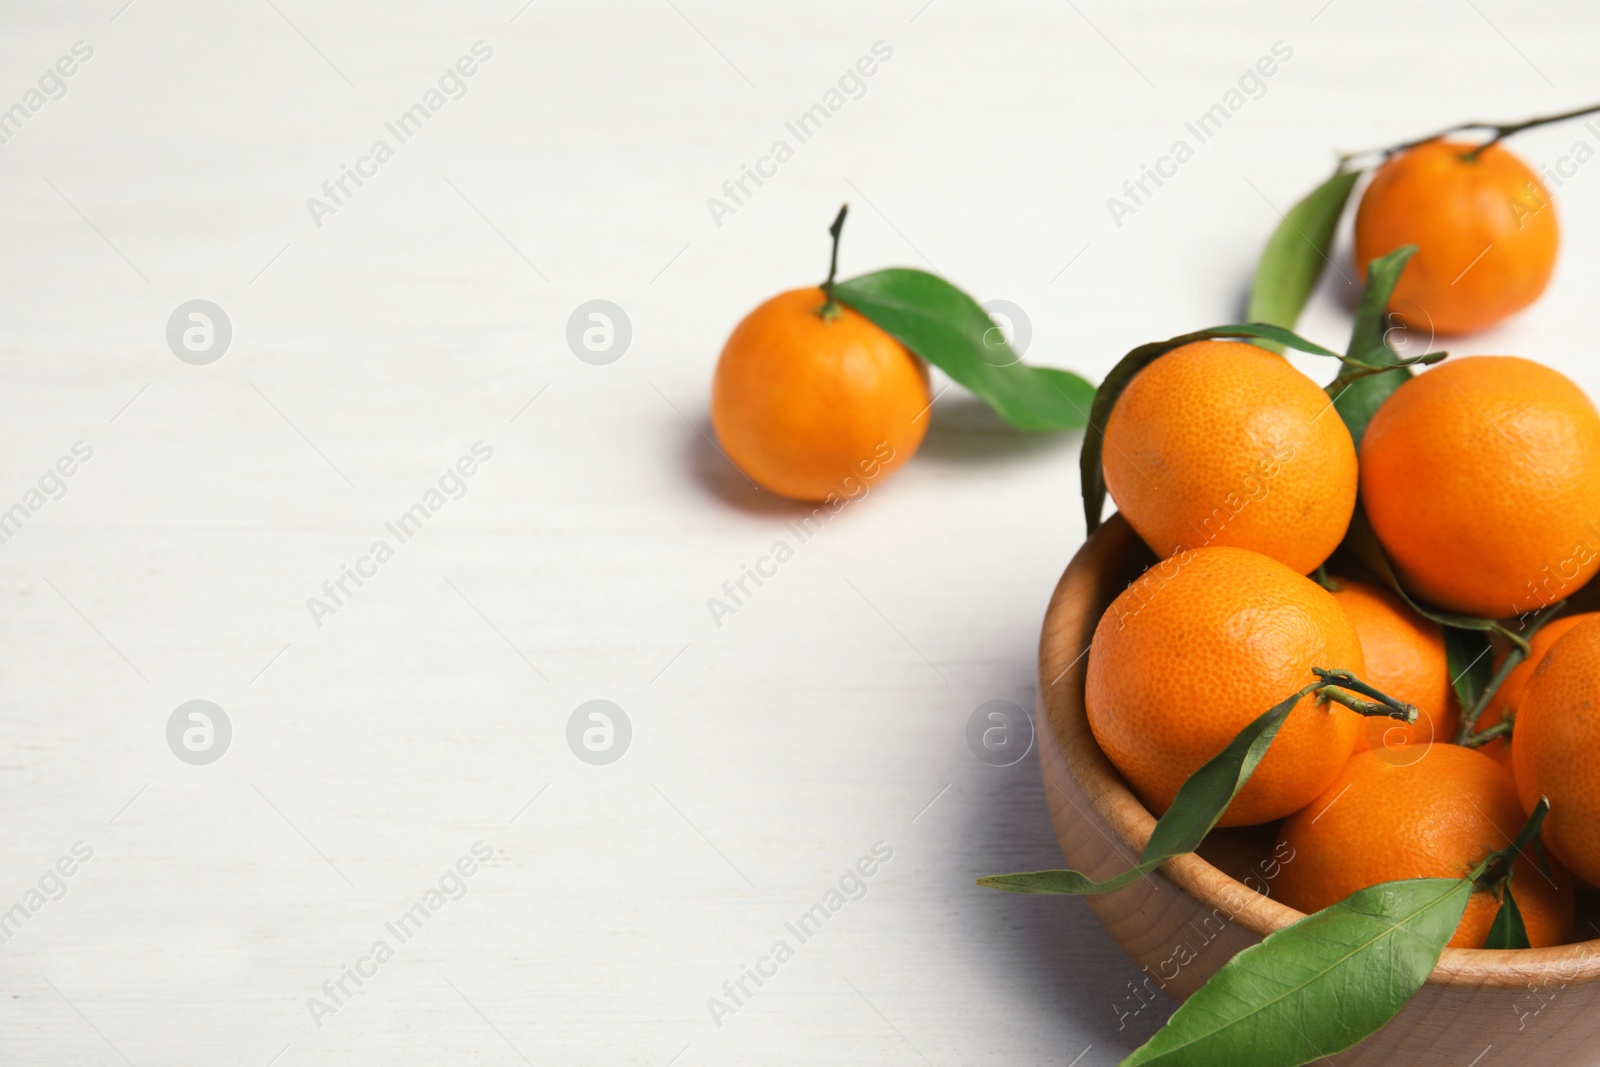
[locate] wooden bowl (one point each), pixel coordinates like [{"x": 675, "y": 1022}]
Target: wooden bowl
[{"x": 1479, "y": 1008}]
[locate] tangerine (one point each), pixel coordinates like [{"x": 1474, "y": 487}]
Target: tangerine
[
  {"x": 1439, "y": 817},
  {"x": 1484, "y": 227},
  {"x": 812, "y": 400},
  {"x": 1219, "y": 443},
  {"x": 1554, "y": 743},
  {"x": 1199, "y": 646},
  {"x": 1509, "y": 697},
  {"x": 1482, "y": 481},
  {"x": 1406, "y": 660}
]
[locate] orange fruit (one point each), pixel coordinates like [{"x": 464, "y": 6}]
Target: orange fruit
[
  {"x": 1484, "y": 227},
  {"x": 1482, "y": 481},
  {"x": 1406, "y": 660},
  {"x": 1515, "y": 686},
  {"x": 815, "y": 407},
  {"x": 1554, "y": 743},
  {"x": 1219, "y": 443},
  {"x": 1199, "y": 646},
  {"x": 1380, "y": 821}
]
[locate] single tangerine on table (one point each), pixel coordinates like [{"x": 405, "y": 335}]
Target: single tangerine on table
[
  {"x": 1439, "y": 817},
  {"x": 1484, "y": 227},
  {"x": 1199, "y": 646},
  {"x": 811, "y": 399},
  {"x": 1555, "y": 740},
  {"x": 1221, "y": 443},
  {"x": 1406, "y": 660},
  {"x": 808, "y": 404},
  {"x": 1482, "y": 480},
  {"x": 1509, "y": 697}
]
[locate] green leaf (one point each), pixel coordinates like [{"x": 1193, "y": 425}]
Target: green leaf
[
  {"x": 1200, "y": 802},
  {"x": 1369, "y": 334},
  {"x": 1357, "y": 400},
  {"x": 1357, "y": 396},
  {"x": 1529, "y": 834},
  {"x": 1318, "y": 986},
  {"x": 1298, "y": 251},
  {"x": 1471, "y": 663},
  {"x": 1508, "y": 929},
  {"x": 1093, "y": 475},
  {"x": 946, "y": 327}
]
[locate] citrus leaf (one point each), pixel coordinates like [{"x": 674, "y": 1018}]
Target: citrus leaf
[
  {"x": 1369, "y": 334},
  {"x": 1200, "y": 802},
  {"x": 1508, "y": 929},
  {"x": 946, "y": 327},
  {"x": 1093, "y": 475},
  {"x": 1359, "y": 399},
  {"x": 1298, "y": 251},
  {"x": 1358, "y": 396},
  {"x": 1318, "y": 986},
  {"x": 1530, "y": 837},
  {"x": 1471, "y": 663}
]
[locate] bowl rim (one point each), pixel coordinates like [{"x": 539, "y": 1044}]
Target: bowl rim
[{"x": 1063, "y": 655}]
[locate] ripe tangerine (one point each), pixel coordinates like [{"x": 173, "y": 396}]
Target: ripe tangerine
[
  {"x": 1439, "y": 817},
  {"x": 1482, "y": 480},
  {"x": 1220, "y": 443},
  {"x": 1199, "y": 646},
  {"x": 811, "y": 404},
  {"x": 1483, "y": 224}
]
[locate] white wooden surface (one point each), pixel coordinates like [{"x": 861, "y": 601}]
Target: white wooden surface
[{"x": 768, "y": 754}]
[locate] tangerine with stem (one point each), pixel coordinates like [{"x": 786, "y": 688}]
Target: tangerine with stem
[{"x": 812, "y": 400}]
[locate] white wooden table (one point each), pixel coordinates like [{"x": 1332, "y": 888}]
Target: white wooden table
[{"x": 374, "y": 744}]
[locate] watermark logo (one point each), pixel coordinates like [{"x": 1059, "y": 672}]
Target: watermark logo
[
  {"x": 1000, "y": 733},
  {"x": 199, "y": 332},
  {"x": 451, "y": 485},
  {"x": 452, "y": 885},
  {"x": 738, "y": 190},
  {"x": 198, "y": 732},
  {"x": 1409, "y": 333},
  {"x": 737, "y": 590},
  {"x": 52, "y": 485},
  {"x": 599, "y": 732},
  {"x": 599, "y": 332},
  {"x": 1251, "y": 85},
  {"x": 851, "y": 886},
  {"x": 1001, "y": 334},
  {"x": 52, "y": 86},
  {"x": 339, "y": 190},
  {"x": 52, "y": 885}
]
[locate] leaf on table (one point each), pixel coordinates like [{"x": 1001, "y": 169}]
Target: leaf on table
[
  {"x": 1298, "y": 251},
  {"x": 1200, "y": 802},
  {"x": 1093, "y": 475},
  {"x": 1318, "y": 986},
  {"x": 1508, "y": 929},
  {"x": 948, "y": 328}
]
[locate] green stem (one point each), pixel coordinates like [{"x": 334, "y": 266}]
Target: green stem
[
  {"x": 1520, "y": 650},
  {"x": 830, "y": 307},
  {"x": 1388, "y": 706},
  {"x": 1501, "y": 131},
  {"x": 1495, "y": 869},
  {"x": 1483, "y": 737},
  {"x": 1320, "y": 576},
  {"x": 1363, "y": 370}
]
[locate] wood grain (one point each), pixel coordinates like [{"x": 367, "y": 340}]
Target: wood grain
[{"x": 1185, "y": 921}]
